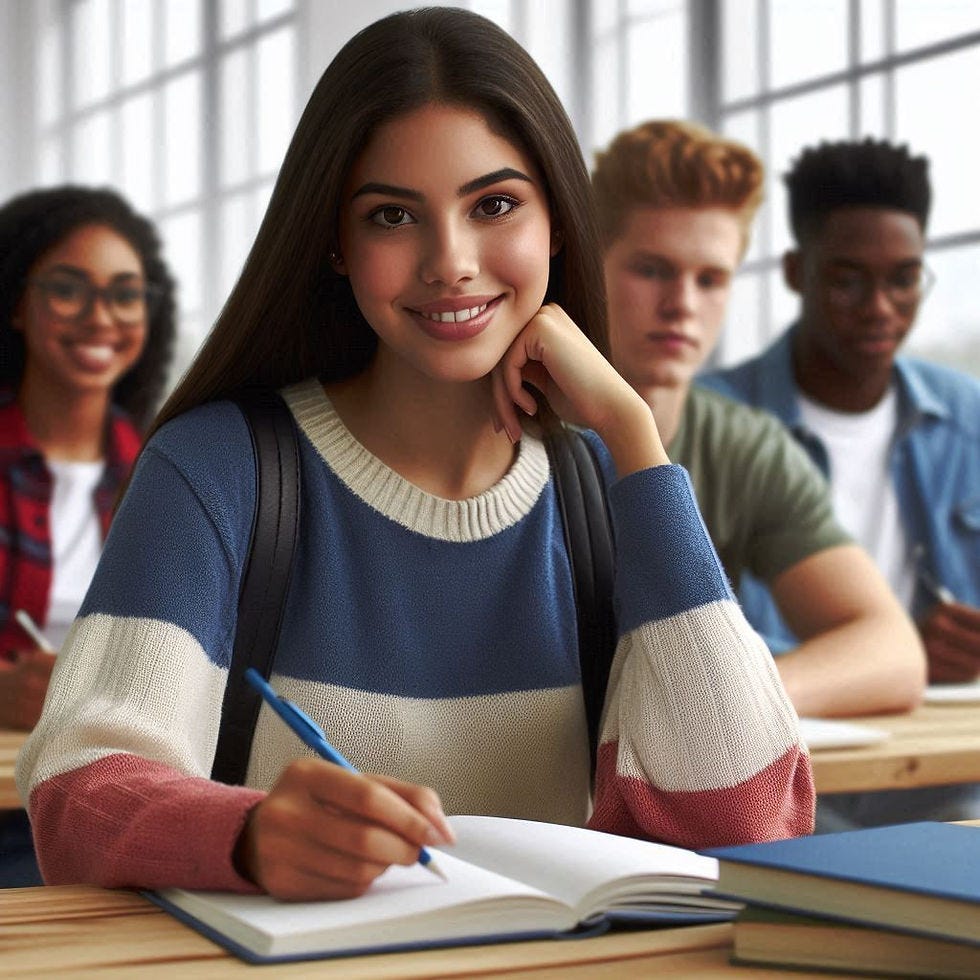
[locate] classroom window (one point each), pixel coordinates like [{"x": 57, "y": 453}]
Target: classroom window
[{"x": 904, "y": 70}]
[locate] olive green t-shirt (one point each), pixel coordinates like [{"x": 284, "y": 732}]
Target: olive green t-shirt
[{"x": 765, "y": 503}]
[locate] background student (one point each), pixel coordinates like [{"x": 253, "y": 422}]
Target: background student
[
  {"x": 676, "y": 204},
  {"x": 898, "y": 438},
  {"x": 86, "y": 329},
  {"x": 429, "y": 247}
]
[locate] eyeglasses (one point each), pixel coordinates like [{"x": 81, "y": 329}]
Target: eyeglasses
[
  {"x": 72, "y": 297},
  {"x": 849, "y": 288}
]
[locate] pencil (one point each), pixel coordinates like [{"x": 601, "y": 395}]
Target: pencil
[{"x": 31, "y": 629}]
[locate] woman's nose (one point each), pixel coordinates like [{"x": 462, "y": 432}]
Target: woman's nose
[{"x": 451, "y": 254}]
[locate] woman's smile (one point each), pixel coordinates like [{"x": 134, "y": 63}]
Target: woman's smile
[{"x": 457, "y": 319}]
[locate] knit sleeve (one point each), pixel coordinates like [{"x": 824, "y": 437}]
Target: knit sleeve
[{"x": 699, "y": 744}]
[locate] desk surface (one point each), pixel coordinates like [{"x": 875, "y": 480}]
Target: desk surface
[
  {"x": 934, "y": 745},
  {"x": 10, "y": 743},
  {"x": 72, "y": 930}
]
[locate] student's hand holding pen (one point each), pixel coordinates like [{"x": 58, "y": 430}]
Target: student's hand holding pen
[
  {"x": 951, "y": 635},
  {"x": 324, "y": 832}
]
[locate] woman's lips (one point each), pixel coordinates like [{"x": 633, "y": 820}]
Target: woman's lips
[{"x": 459, "y": 322}]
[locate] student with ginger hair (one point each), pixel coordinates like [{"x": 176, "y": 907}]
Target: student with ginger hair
[{"x": 676, "y": 203}]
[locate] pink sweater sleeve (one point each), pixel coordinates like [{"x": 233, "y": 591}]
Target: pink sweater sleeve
[
  {"x": 697, "y": 750},
  {"x": 124, "y": 821}
]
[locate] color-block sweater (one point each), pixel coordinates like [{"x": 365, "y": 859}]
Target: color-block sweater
[{"x": 434, "y": 640}]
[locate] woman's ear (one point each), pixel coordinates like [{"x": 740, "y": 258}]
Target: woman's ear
[
  {"x": 336, "y": 261},
  {"x": 557, "y": 240}
]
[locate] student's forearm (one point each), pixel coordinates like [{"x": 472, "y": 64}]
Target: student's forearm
[{"x": 871, "y": 665}]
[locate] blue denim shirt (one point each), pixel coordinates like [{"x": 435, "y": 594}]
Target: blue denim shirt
[{"x": 934, "y": 462}]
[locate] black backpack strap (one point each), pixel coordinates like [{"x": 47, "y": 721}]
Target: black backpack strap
[
  {"x": 588, "y": 537},
  {"x": 267, "y": 569}
]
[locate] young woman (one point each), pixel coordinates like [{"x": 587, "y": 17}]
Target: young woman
[
  {"x": 429, "y": 248},
  {"x": 86, "y": 328}
]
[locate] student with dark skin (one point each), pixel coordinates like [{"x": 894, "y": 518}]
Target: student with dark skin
[
  {"x": 899, "y": 438},
  {"x": 87, "y": 324}
]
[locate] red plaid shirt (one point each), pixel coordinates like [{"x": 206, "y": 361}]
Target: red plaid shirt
[{"x": 25, "y": 502}]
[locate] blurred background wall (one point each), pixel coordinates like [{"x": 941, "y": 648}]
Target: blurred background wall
[{"x": 187, "y": 107}]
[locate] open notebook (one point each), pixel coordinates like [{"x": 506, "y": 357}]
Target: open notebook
[
  {"x": 508, "y": 879},
  {"x": 952, "y": 693},
  {"x": 832, "y": 733}
]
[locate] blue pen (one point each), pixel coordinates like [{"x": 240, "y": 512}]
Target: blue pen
[{"x": 311, "y": 734}]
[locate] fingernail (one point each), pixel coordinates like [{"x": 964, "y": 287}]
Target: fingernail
[{"x": 435, "y": 836}]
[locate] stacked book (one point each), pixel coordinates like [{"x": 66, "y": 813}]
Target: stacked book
[{"x": 887, "y": 901}]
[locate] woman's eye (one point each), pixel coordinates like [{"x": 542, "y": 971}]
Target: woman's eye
[
  {"x": 391, "y": 216},
  {"x": 495, "y": 207},
  {"x": 65, "y": 289},
  {"x": 127, "y": 295}
]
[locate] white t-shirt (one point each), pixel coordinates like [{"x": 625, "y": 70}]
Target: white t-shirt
[
  {"x": 864, "y": 496},
  {"x": 76, "y": 542}
]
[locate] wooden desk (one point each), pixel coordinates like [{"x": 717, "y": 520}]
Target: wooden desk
[
  {"x": 934, "y": 745},
  {"x": 70, "y": 931},
  {"x": 10, "y": 743}
]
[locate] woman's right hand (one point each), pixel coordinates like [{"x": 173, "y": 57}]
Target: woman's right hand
[{"x": 326, "y": 833}]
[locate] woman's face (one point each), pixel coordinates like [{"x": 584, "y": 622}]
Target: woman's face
[
  {"x": 76, "y": 339},
  {"x": 445, "y": 234}
]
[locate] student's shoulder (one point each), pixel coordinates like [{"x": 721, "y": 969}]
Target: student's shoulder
[
  {"x": 957, "y": 391},
  {"x": 941, "y": 380},
  {"x": 732, "y": 425},
  {"x": 209, "y": 426},
  {"x": 209, "y": 441},
  {"x": 734, "y": 381}
]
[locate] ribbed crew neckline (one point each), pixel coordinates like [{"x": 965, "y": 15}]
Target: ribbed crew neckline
[{"x": 379, "y": 486}]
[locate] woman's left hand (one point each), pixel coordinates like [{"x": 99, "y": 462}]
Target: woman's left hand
[{"x": 552, "y": 354}]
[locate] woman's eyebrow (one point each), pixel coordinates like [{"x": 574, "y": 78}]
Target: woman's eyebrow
[
  {"x": 389, "y": 190},
  {"x": 505, "y": 173},
  {"x": 64, "y": 268},
  {"x": 478, "y": 183}
]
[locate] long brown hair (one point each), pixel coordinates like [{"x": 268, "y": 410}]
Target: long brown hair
[{"x": 290, "y": 316}]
